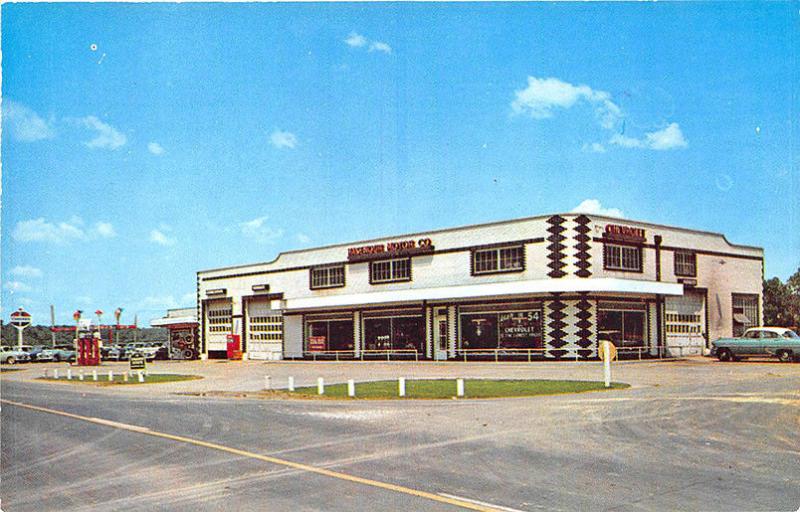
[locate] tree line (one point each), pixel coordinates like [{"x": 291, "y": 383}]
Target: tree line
[
  {"x": 41, "y": 335},
  {"x": 782, "y": 301}
]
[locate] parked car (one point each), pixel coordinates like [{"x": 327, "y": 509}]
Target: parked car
[
  {"x": 12, "y": 355},
  {"x": 116, "y": 352},
  {"x": 141, "y": 348},
  {"x": 40, "y": 354},
  {"x": 60, "y": 353},
  {"x": 777, "y": 342}
]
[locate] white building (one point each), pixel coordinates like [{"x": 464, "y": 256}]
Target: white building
[{"x": 545, "y": 286}]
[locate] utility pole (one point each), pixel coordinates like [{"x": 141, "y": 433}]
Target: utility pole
[{"x": 52, "y": 324}]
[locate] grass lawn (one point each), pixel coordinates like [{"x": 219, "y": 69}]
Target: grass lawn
[
  {"x": 102, "y": 379},
  {"x": 473, "y": 388}
]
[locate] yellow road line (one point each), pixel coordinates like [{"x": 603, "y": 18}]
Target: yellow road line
[{"x": 273, "y": 460}]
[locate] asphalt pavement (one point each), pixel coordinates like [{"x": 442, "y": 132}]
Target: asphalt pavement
[{"x": 727, "y": 440}]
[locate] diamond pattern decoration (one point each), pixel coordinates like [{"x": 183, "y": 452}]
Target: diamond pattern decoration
[
  {"x": 556, "y": 248},
  {"x": 583, "y": 256},
  {"x": 555, "y": 340},
  {"x": 583, "y": 324}
]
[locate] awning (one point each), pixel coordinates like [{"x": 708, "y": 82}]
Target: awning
[
  {"x": 175, "y": 320},
  {"x": 741, "y": 318},
  {"x": 489, "y": 290}
]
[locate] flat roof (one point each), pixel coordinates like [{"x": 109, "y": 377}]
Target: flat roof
[{"x": 479, "y": 225}]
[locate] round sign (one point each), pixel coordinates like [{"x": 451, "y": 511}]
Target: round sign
[
  {"x": 607, "y": 350},
  {"x": 20, "y": 318}
]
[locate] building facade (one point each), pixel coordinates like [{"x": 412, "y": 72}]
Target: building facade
[
  {"x": 183, "y": 332},
  {"x": 540, "y": 287}
]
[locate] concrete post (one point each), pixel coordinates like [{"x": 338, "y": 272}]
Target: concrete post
[
  {"x": 401, "y": 386},
  {"x": 320, "y": 386},
  {"x": 267, "y": 382},
  {"x": 351, "y": 388},
  {"x": 80, "y": 375},
  {"x": 459, "y": 387},
  {"x": 94, "y": 375},
  {"x": 110, "y": 376},
  {"x": 69, "y": 373},
  {"x": 124, "y": 377},
  {"x": 291, "y": 383},
  {"x": 55, "y": 374},
  {"x": 141, "y": 376}
]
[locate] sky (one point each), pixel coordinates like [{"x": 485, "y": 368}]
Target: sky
[{"x": 144, "y": 142}]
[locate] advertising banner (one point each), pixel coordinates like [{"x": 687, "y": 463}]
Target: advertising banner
[{"x": 520, "y": 329}]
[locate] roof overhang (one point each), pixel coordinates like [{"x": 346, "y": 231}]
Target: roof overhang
[
  {"x": 166, "y": 322},
  {"x": 489, "y": 290}
]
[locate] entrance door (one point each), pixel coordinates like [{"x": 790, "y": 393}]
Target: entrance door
[{"x": 440, "y": 334}]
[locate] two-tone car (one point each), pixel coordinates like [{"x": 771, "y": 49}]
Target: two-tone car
[
  {"x": 779, "y": 342},
  {"x": 12, "y": 355}
]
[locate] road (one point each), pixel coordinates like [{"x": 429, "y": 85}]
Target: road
[{"x": 728, "y": 444}]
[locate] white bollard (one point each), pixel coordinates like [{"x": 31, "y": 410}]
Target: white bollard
[
  {"x": 320, "y": 386},
  {"x": 401, "y": 386},
  {"x": 124, "y": 377},
  {"x": 45, "y": 375},
  {"x": 94, "y": 375},
  {"x": 459, "y": 387},
  {"x": 351, "y": 388},
  {"x": 55, "y": 374},
  {"x": 69, "y": 373},
  {"x": 110, "y": 376},
  {"x": 80, "y": 375},
  {"x": 141, "y": 376},
  {"x": 267, "y": 382},
  {"x": 291, "y": 383},
  {"x": 607, "y": 371}
]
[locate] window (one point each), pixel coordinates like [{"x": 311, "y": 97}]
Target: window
[
  {"x": 219, "y": 319},
  {"x": 505, "y": 329},
  {"x": 501, "y": 259},
  {"x": 266, "y": 328},
  {"x": 625, "y": 325},
  {"x": 388, "y": 271},
  {"x": 745, "y": 312},
  {"x": 395, "y": 333},
  {"x": 326, "y": 335},
  {"x": 685, "y": 264},
  {"x": 327, "y": 277},
  {"x": 622, "y": 257}
]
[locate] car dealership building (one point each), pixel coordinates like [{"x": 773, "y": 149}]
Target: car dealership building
[{"x": 540, "y": 287}]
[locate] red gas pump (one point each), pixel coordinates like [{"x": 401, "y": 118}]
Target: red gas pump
[
  {"x": 88, "y": 351},
  {"x": 234, "y": 347}
]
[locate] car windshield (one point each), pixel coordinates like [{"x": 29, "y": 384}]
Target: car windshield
[{"x": 790, "y": 334}]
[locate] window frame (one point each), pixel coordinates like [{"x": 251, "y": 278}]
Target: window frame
[
  {"x": 679, "y": 271},
  {"x": 327, "y": 269},
  {"x": 497, "y": 257},
  {"x": 607, "y": 246},
  {"x": 392, "y": 270}
]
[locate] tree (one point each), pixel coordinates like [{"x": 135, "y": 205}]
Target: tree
[{"x": 782, "y": 301}]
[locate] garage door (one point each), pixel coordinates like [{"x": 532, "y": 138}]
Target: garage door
[
  {"x": 264, "y": 331},
  {"x": 686, "y": 327},
  {"x": 218, "y": 324}
]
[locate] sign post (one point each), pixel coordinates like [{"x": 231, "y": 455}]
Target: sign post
[
  {"x": 607, "y": 352},
  {"x": 20, "y": 319},
  {"x": 138, "y": 362}
]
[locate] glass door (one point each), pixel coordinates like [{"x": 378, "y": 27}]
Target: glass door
[{"x": 440, "y": 334}]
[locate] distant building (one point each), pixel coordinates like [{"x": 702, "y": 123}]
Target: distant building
[
  {"x": 547, "y": 287},
  {"x": 183, "y": 332}
]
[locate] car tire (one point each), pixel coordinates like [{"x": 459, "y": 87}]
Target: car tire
[
  {"x": 724, "y": 354},
  {"x": 10, "y": 360},
  {"x": 57, "y": 358},
  {"x": 784, "y": 356}
]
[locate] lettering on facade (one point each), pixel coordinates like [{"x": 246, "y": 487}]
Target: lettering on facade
[
  {"x": 390, "y": 249},
  {"x": 624, "y": 233}
]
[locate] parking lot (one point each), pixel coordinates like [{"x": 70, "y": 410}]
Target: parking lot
[{"x": 694, "y": 434}]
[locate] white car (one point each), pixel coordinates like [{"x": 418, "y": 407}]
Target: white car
[{"x": 11, "y": 355}]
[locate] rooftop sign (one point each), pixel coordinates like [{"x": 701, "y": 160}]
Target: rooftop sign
[
  {"x": 390, "y": 249},
  {"x": 624, "y": 233}
]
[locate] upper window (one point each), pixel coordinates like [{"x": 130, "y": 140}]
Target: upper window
[
  {"x": 389, "y": 271},
  {"x": 501, "y": 259},
  {"x": 327, "y": 277},
  {"x": 685, "y": 264},
  {"x": 622, "y": 257}
]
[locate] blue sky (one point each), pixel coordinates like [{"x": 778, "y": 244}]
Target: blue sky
[{"x": 143, "y": 142}]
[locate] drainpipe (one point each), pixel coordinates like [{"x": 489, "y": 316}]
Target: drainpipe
[{"x": 657, "y": 240}]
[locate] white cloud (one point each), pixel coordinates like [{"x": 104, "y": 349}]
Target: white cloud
[
  {"x": 593, "y": 206},
  {"x": 158, "y": 237},
  {"x": 259, "y": 231},
  {"x": 157, "y": 302},
  {"x": 379, "y": 46},
  {"x": 16, "y": 286},
  {"x": 281, "y": 139},
  {"x": 303, "y": 238},
  {"x": 355, "y": 40},
  {"x": 25, "y": 271},
  {"x": 155, "y": 148},
  {"x": 594, "y": 147},
  {"x": 24, "y": 124},
  {"x": 189, "y": 299},
  {"x": 84, "y": 299},
  {"x": 106, "y": 136},
  {"x": 105, "y": 229},
  {"x": 670, "y": 137},
  {"x": 545, "y": 95}
]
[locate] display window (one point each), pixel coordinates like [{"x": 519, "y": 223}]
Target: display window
[
  {"x": 395, "y": 333},
  {"x": 324, "y": 335},
  {"x": 623, "y": 327},
  {"x": 502, "y": 329}
]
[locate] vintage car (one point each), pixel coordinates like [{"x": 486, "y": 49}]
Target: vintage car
[
  {"x": 777, "y": 342},
  {"x": 11, "y": 355},
  {"x": 60, "y": 353}
]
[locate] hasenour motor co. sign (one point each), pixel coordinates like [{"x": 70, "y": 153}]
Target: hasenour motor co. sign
[
  {"x": 624, "y": 233},
  {"x": 390, "y": 249}
]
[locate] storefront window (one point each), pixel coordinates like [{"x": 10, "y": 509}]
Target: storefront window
[
  {"x": 394, "y": 333},
  {"x": 330, "y": 335},
  {"x": 623, "y": 328},
  {"x": 505, "y": 329},
  {"x": 745, "y": 312}
]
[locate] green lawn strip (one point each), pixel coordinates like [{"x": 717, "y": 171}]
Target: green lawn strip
[
  {"x": 102, "y": 379},
  {"x": 473, "y": 388},
  {"x": 10, "y": 369}
]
